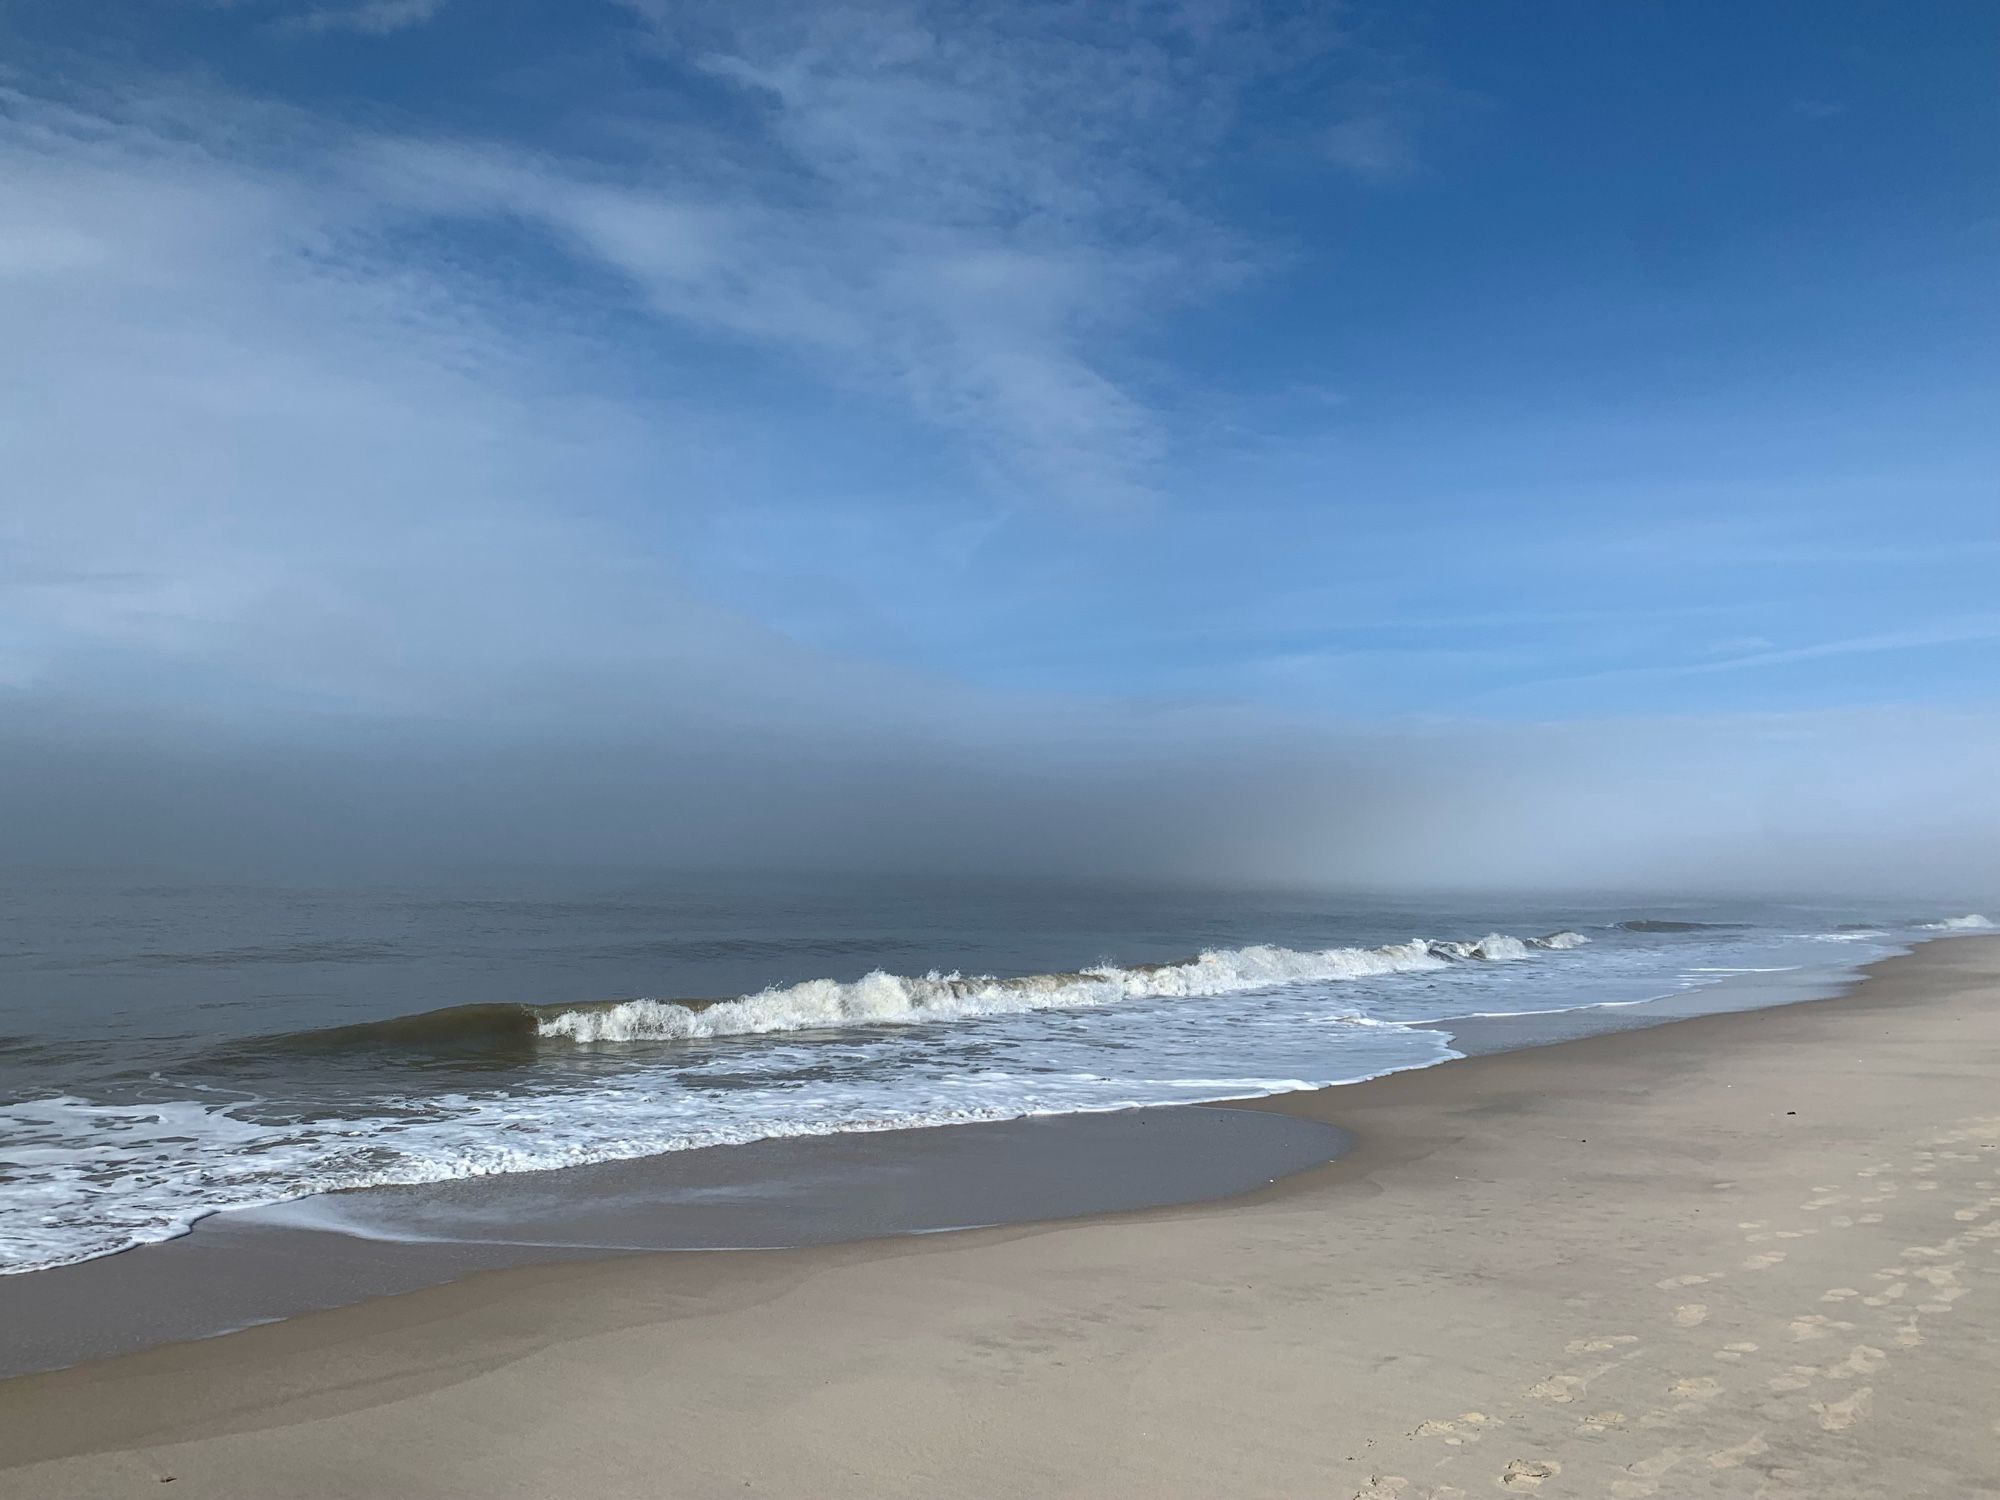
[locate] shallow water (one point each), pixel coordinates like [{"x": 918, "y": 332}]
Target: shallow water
[{"x": 170, "y": 1049}]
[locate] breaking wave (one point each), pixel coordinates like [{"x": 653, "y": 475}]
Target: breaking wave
[
  {"x": 1970, "y": 922},
  {"x": 509, "y": 1032},
  {"x": 894, "y": 999}
]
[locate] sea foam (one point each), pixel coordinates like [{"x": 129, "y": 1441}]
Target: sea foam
[{"x": 894, "y": 999}]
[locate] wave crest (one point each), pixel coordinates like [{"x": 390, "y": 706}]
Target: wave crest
[
  {"x": 1564, "y": 939},
  {"x": 892, "y": 999},
  {"x": 1972, "y": 921}
]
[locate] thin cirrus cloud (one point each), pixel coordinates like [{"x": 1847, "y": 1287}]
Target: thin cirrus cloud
[
  {"x": 1754, "y": 653},
  {"x": 970, "y": 214}
]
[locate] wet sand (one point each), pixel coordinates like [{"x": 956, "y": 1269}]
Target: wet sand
[
  {"x": 1748, "y": 1254},
  {"x": 259, "y": 1265}
]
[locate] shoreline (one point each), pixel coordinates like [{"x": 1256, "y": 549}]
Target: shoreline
[
  {"x": 1490, "y": 1205},
  {"x": 243, "y": 1268}
]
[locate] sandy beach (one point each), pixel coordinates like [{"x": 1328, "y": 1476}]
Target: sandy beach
[{"x": 1741, "y": 1255}]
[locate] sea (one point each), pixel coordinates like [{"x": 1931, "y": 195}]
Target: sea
[{"x": 174, "y": 1048}]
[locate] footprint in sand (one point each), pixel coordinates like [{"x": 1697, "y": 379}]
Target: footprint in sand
[
  {"x": 1601, "y": 1421},
  {"x": 1838, "y": 1416},
  {"x": 1559, "y": 1388},
  {"x": 1907, "y": 1336},
  {"x": 1938, "y": 1276},
  {"x": 1528, "y": 1473},
  {"x": 1868, "y": 1218},
  {"x": 1691, "y": 1315},
  {"x": 1453, "y": 1438},
  {"x": 1695, "y": 1389},
  {"x": 1645, "y": 1474},
  {"x": 1735, "y": 1352},
  {"x": 1396, "y": 1487},
  {"x": 1838, "y": 1294},
  {"x": 1764, "y": 1260},
  {"x": 1861, "y": 1360},
  {"x": 1675, "y": 1283},
  {"x": 1930, "y": 1252},
  {"x": 1383, "y": 1487},
  {"x": 1601, "y": 1345},
  {"x": 1733, "y": 1458},
  {"x": 1795, "y": 1379}
]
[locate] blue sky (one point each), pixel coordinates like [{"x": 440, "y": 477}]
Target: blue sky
[{"x": 398, "y": 362}]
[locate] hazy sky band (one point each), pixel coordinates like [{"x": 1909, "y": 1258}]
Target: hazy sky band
[{"x": 1207, "y": 437}]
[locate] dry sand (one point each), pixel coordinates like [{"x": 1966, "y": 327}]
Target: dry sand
[{"x": 1745, "y": 1255}]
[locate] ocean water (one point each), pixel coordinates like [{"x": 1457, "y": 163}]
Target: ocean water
[{"x": 171, "y": 1049}]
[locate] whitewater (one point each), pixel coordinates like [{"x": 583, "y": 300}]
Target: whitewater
[
  {"x": 885, "y": 999},
  {"x": 98, "y": 1156}
]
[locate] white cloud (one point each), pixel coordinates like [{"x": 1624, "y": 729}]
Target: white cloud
[
  {"x": 977, "y": 218},
  {"x": 255, "y": 466},
  {"x": 970, "y": 211},
  {"x": 1754, "y": 653}
]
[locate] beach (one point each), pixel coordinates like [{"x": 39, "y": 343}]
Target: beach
[{"x": 1748, "y": 1254}]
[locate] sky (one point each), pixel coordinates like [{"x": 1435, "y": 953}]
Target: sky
[{"x": 1386, "y": 443}]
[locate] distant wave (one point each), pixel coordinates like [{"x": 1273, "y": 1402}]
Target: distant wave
[
  {"x": 501, "y": 1031},
  {"x": 312, "y": 951},
  {"x": 1970, "y": 922},
  {"x": 1663, "y": 924},
  {"x": 507, "y": 1032},
  {"x": 1559, "y": 940}
]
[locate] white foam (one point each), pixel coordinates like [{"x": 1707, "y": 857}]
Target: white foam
[
  {"x": 88, "y": 1178},
  {"x": 1970, "y": 922},
  {"x": 893, "y": 999},
  {"x": 85, "y": 1177},
  {"x": 114, "y": 1177},
  {"x": 1564, "y": 939}
]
